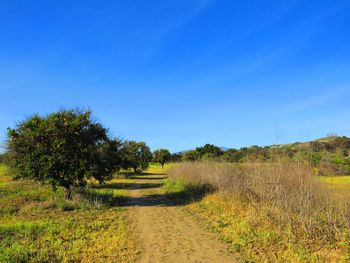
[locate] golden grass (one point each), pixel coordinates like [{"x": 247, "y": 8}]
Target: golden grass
[
  {"x": 276, "y": 212},
  {"x": 339, "y": 186},
  {"x": 256, "y": 237}
]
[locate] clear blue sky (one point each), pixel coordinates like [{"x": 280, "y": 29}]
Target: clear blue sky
[{"x": 179, "y": 74}]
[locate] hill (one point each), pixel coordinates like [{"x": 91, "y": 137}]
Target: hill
[{"x": 329, "y": 143}]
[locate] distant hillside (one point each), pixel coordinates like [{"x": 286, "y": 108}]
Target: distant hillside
[
  {"x": 328, "y": 143},
  {"x": 330, "y": 139}
]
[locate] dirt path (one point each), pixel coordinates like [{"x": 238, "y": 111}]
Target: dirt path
[{"x": 167, "y": 232}]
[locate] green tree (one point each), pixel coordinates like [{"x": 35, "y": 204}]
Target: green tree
[
  {"x": 136, "y": 155},
  {"x": 176, "y": 157},
  {"x": 210, "y": 151},
  {"x": 232, "y": 156},
  {"x": 161, "y": 156},
  {"x": 63, "y": 148},
  {"x": 191, "y": 155}
]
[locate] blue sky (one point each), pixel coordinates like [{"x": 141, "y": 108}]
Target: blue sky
[{"x": 179, "y": 74}]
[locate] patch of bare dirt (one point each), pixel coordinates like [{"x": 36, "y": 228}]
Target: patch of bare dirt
[{"x": 166, "y": 232}]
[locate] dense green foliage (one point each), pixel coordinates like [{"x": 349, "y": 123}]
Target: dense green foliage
[
  {"x": 191, "y": 155},
  {"x": 135, "y": 155},
  {"x": 2, "y": 158},
  {"x": 209, "y": 151},
  {"x": 232, "y": 155},
  {"x": 63, "y": 148},
  {"x": 161, "y": 156},
  {"x": 329, "y": 155},
  {"x": 176, "y": 157}
]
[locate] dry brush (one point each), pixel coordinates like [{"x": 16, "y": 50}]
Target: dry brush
[{"x": 287, "y": 193}]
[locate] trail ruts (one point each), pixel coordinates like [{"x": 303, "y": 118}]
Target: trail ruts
[{"x": 166, "y": 231}]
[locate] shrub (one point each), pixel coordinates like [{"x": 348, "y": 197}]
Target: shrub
[{"x": 191, "y": 155}]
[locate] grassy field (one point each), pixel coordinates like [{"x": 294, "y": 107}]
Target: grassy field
[
  {"x": 262, "y": 230},
  {"x": 38, "y": 225},
  {"x": 156, "y": 168},
  {"x": 339, "y": 186}
]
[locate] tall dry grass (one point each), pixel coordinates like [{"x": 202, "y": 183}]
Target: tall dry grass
[{"x": 286, "y": 192}]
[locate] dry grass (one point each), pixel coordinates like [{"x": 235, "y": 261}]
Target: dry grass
[{"x": 284, "y": 201}]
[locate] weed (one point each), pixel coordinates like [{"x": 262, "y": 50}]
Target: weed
[
  {"x": 267, "y": 212},
  {"x": 39, "y": 225}
]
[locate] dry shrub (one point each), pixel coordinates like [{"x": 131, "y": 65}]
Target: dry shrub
[
  {"x": 327, "y": 168},
  {"x": 294, "y": 196}
]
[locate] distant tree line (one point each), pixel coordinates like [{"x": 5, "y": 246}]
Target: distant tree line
[
  {"x": 328, "y": 157},
  {"x": 68, "y": 147}
]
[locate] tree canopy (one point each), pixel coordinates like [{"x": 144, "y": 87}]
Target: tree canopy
[
  {"x": 210, "y": 151},
  {"x": 64, "y": 148},
  {"x": 136, "y": 155},
  {"x": 191, "y": 155},
  {"x": 161, "y": 156}
]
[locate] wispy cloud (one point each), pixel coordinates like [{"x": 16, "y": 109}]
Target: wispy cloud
[
  {"x": 322, "y": 98},
  {"x": 250, "y": 63},
  {"x": 320, "y": 16},
  {"x": 198, "y": 7},
  {"x": 195, "y": 9}
]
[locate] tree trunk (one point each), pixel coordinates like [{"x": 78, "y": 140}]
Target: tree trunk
[
  {"x": 135, "y": 170},
  {"x": 162, "y": 165},
  {"x": 68, "y": 192}
]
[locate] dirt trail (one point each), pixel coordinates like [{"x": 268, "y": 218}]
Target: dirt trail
[{"x": 167, "y": 232}]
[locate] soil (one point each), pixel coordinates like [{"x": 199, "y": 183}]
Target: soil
[{"x": 168, "y": 232}]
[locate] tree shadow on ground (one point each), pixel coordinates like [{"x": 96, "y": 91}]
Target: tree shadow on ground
[
  {"x": 181, "y": 198},
  {"x": 112, "y": 186},
  {"x": 122, "y": 186},
  {"x": 97, "y": 198},
  {"x": 145, "y": 174},
  {"x": 138, "y": 175},
  {"x": 149, "y": 178}
]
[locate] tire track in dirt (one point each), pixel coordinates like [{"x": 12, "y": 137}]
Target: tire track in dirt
[{"x": 166, "y": 232}]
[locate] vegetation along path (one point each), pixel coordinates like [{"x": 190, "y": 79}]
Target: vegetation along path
[{"x": 167, "y": 232}]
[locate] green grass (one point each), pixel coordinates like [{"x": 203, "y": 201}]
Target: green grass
[
  {"x": 38, "y": 225},
  {"x": 339, "y": 186},
  {"x": 338, "y": 180},
  {"x": 156, "y": 168},
  {"x": 182, "y": 193},
  {"x": 174, "y": 187},
  {"x": 3, "y": 169}
]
